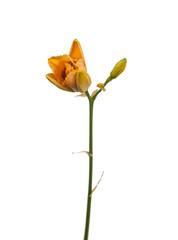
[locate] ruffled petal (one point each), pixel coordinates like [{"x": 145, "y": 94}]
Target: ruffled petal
[
  {"x": 51, "y": 77},
  {"x": 57, "y": 64}
]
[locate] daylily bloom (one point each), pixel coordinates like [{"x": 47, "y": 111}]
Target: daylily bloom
[{"x": 69, "y": 71}]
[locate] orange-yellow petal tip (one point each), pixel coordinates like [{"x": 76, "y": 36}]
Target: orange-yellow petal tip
[{"x": 76, "y": 51}]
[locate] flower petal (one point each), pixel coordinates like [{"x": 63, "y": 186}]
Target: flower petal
[
  {"x": 70, "y": 81},
  {"x": 76, "y": 51},
  {"x": 81, "y": 65},
  {"x": 83, "y": 81},
  {"x": 57, "y": 64},
  {"x": 52, "y": 79}
]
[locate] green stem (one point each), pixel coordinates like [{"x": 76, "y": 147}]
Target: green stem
[
  {"x": 106, "y": 82},
  {"x": 89, "y": 197}
]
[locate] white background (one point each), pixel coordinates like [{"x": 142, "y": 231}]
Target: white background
[{"x": 43, "y": 186}]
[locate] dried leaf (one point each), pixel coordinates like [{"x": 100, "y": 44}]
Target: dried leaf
[
  {"x": 89, "y": 154},
  {"x": 97, "y": 184},
  {"x": 81, "y": 95},
  {"x": 94, "y": 92}
]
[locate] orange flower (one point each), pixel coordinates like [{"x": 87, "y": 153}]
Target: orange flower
[{"x": 69, "y": 71}]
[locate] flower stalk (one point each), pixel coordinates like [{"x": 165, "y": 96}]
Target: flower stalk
[{"x": 89, "y": 197}]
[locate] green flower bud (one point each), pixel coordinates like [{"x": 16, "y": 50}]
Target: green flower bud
[
  {"x": 118, "y": 68},
  {"x": 83, "y": 81}
]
